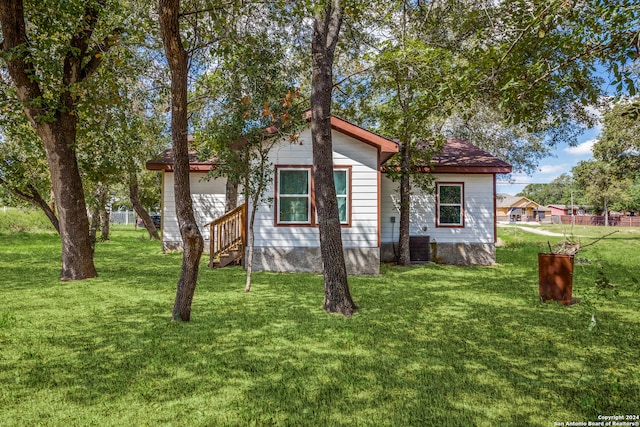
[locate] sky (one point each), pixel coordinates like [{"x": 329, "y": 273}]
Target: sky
[{"x": 562, "y": 159}]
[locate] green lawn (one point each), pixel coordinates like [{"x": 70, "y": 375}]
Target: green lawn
[{"x": 430, "y": 345}]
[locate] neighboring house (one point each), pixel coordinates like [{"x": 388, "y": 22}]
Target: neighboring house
[
  {"x": 458, "y": 220},
  {"x": 566, "y": 210},
  {"x": 516, "y": 208}
]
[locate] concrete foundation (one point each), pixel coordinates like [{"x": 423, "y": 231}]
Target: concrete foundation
[
  {"x": 449, "y": 253},
  {"x": 303, "y": 259}
]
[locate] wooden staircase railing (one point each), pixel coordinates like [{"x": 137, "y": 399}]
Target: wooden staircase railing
[{"x": 227, "y": 237}]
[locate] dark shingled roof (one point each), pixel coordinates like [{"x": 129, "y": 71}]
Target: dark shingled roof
[
  {"x": 165, "y": 162},
  {"x": 460, "y": 156}
]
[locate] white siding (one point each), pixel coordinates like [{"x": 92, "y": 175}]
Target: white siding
[
  {"x": 208, "y": 203},
  {"x": 363, "y": 160},
  {"x": 478, "y": 211}
]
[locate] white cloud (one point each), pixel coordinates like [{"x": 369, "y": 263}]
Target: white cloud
[
  {"x": 549, "y": 169},
  {"x": 581, "y": 149}
]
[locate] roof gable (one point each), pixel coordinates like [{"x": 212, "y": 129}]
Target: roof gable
[{"x": 386, "y": 148}]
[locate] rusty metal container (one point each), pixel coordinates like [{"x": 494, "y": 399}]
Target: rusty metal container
[{"x": 555, "y": 275}]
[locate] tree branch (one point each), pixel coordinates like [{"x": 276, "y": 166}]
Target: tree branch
[
  {"x": 215, "y": 9},
  {"x": 78, "y": 47},
  {"x": 351, "y": 75},
  {"x": 98, "y": 52},
  {"x": 18, "y": 57},
  {"x": 588, "y": 51},
  {"x": 35, "y": 199}
]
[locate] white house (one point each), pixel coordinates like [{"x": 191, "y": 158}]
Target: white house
[{"x": 458, "y": 220}]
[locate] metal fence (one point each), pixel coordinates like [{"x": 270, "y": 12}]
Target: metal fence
[{"x": 123, "y": 217}]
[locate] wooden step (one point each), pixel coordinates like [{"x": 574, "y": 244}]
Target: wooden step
[{"x": 227, "y": 258}]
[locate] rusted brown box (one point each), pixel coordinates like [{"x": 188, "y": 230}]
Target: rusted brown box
[{"x": 555, "y": 275}]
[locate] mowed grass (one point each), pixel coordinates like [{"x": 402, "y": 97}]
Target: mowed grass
[{"x": 430, "y": 345}]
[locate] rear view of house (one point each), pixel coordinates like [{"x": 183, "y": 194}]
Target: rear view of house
[{"x": 458, "y": 219}]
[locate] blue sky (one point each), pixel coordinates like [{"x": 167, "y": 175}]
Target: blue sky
[{"x": 561, "y": 161}]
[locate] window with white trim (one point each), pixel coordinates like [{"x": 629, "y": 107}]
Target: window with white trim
[
  {"x": 294, "y": 196},
  {"x": 450, "y": 201}
]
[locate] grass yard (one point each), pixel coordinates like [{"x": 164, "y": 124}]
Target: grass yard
[{"x": 430, "y": 345}]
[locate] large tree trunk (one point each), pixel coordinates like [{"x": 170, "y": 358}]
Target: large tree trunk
[
  {"x": 77, "y": 251},
  {"x": 140, "y": 210},
  {"x": 404, "y": 256},
  {"x": 326, "y": 27},
  {"x": 192, "y": 241}
]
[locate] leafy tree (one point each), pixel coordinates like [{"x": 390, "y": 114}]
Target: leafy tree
[
  {"x": 614, "y": 171},
  {"x": 208, "y": 27},
  {"x": 488, "y": 129},
  {"x": 51, "y": 53},
  {"x": 603, "y": 188},
  {"x": 559, "y": 191},
  {"x": 256, "y": 106},
  {"x": 530, "y": 65},
  {"x": 619, "y": 142}
]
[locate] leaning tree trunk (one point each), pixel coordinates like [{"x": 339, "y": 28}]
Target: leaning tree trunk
[
  {"x": 46, "y": 208},
  {"x": 140, "y": 210},
  {"x": 192, "y": 241},
  {"x": 326, "y": 27},
  {"x": 34, "y": 197}
]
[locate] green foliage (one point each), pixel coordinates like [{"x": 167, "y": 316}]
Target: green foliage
[
  {"x": 604, "y": 187},
  {"x": 14, "y": 220},
  {"x": 560, "y": 191},
  {"x": 430, "y": 345},
  {"x": 112, "y": 106},
  {"x": 619, "y": 142},
  {"x": 248, "y": 103},
  {"x": 22, "y": 161}
]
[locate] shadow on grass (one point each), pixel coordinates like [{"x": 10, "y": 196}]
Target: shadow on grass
[{"x": 432, "y": 345}]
